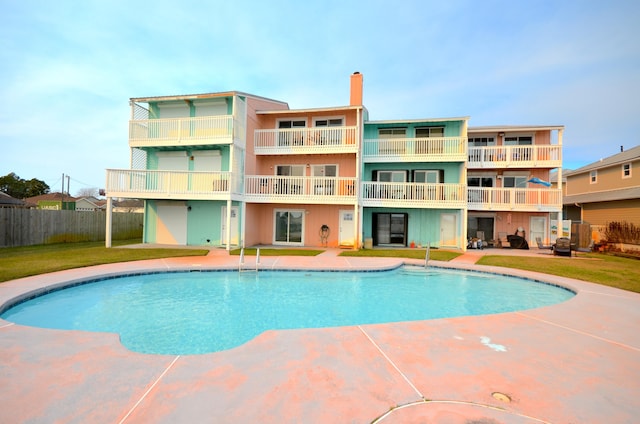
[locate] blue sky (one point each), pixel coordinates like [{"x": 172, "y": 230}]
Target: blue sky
[{"x": 68, "y": 68}]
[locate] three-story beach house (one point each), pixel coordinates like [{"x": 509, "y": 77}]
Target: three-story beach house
[{"x": 234, "y": 169}]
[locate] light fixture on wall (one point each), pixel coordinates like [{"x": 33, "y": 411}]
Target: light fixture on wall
[
  {"x": 308, "y": 166},
  {"x": 501, "y": 134}
]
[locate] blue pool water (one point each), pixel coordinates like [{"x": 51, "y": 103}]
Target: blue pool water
[{"x": 200, "y": 312}]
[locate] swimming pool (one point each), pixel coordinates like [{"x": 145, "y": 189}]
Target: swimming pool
[{"x": 200, "y": 312}]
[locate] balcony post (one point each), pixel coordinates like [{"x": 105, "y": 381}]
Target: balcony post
[{"x": 107, "y": 238}]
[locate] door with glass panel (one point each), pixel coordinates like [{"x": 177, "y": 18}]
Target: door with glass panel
[
  {"x": 323, "y": 179},
  {"x": 429, "y": 140},
  {"x": 288, "y": 227}
]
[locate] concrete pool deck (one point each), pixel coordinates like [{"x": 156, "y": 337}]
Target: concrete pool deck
[{"x": 574, "y": 362}]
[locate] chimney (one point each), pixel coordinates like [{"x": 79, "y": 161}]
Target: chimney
[
  {"x": 356, "y": 89},
  {"x": 621, "y": 149}
]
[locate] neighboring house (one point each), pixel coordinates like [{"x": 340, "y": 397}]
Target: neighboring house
[
  {"x": 235, "y": 169},
  {"x": 502, "y": 162},
  {"x": 7, "y": 201},
  {"x": 126, "y": 206},
  {"x": 88, "y": 204},
  {"x": 606, "y": 191},
  {"x": 52, "y": 201}
]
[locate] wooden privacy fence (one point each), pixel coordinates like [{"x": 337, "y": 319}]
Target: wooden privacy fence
[{"x": 25, "y": 227}]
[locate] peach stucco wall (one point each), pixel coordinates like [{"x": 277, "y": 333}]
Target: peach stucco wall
[
  {"x": 346, "y": 163},
  {"x": 260, "y": 230}
]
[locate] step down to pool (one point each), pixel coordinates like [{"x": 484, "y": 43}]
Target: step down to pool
[{"x": 241, "y": 265}]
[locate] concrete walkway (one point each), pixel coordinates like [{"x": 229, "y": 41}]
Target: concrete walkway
[{"x": 575, "y": 362}]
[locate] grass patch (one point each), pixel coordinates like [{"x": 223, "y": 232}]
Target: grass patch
[
  {"x": 276, "y": 252},
  {"x": 436, "y": 255},
  {"x": 608, "y": 270},
  {"x": 25, "y": 261}
]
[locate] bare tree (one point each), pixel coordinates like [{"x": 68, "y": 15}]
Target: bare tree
[{"x": 88, "y": 192}]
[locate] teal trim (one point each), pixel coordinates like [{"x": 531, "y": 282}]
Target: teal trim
[
  {"x": 423, "y": 225},
  {"x": 452, "y": 171},
  {"x": 204, "y": 222},
  {"x": 150, "y": 220},
  {"x": 451, "y": 128}
]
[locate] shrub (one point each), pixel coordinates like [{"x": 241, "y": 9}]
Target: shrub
[{"x": 622, "y": 232}]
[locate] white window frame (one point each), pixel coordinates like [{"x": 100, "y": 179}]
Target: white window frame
[
  {"x": 392, "y": 173},
  {"x": 328, "y": 120},
  {"x": 426, "y": 173},
  {"x": 593, "y": 177},
  {"x": 517, "y": 179},
  {"x": 626, "y": 170},
  {"x": 291, "y": 120},
  {"x": 299, "y": 168},
  {"x": 288, "y": 243},
  {"x": 429, "y": 129},
  {"x": 481, "y": 141},
  {"x": 396, "y": 132},
  {"x": 519, "y": 140}
]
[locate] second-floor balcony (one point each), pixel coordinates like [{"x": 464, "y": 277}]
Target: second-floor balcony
[
  {"x": 315, "y": 140},
  {"x": 305, "y": 190},
  {"x": 514, "y": 199},
  {"x": 542, "y": 156},
  {"x": 204, "y": 130},
  {"x": 433, "y": 149},
  {"x": 414, "y": 195},
  {"x": 145, "y": 184}
]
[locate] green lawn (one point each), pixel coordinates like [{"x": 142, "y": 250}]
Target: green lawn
[
  {"x": 608, "y": 270},
  {"x": 436, "y": 255},
  {"x": 619, "y": 272},
  {"x": 18, "y": 262}
]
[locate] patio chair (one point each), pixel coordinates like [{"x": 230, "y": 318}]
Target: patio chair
[
  {"x": 503, "y": 241},
  {"x": 543, "y": 246},
  {"x": 562, "y": 247},
  {"x": 587, "y": 249}
]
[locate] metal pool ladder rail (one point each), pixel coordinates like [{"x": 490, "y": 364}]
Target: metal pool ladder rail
[{"x": 241, "y": 266}]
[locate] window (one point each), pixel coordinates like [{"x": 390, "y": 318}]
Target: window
[
  {"x": 521, "y": 140},
  {"x": 392, "y": 147},
  {"x": 293, "y": 132},
  {"x": 481, "y": 141},
  {"x": 290, "y": 170},
  {"x": 392, "y": 132},
  {"x": 392, "y": 176},
  {"x": 475, "y": 192},
  {"x": 288, "y": 227},
  {"x": 323, "y": 181},
  {"x": 514, "y": 182},
  {"x": 593, "y": 177},
  {"x": 328, "y": 136},
  {"x": 426, "y": 132},
  {"x": 626, "y": 170},
  {"x": 333, "y": 122},
  {"x": 430, "y": 176}
]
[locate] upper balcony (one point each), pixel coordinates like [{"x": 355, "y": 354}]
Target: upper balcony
[
  {"x": 514, "y": 199},
  {"x": 204, "y": 130},
  {"x": 299, "y": 190},
  {"x": 433, "y": 149},
  {"x": 541, "y": 156},
  {"x": 301, "y": 141},
  {"x": 413, "y": 195},
  {"x": 186, "y": 185}
]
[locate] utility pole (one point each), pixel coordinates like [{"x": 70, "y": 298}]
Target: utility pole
[{"x": 62, "y": 194}]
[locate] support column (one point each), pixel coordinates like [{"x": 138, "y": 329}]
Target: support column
[
  {"x": 228, "y": 226},
  {"x": 107, "y": 239}
]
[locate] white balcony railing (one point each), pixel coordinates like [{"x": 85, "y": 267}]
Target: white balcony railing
[
  {"x": 416, "y": 195},
  {"x": 436, "y": 149},
  {"x": 547, "y": 156},
  {"x": 306, "y": 141},
  {"x": 146, "y": 184},
  {"x": 181, "y": 131},
  {"x": 280, "y": 189},
  {"x": 514, "y": 199}
]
